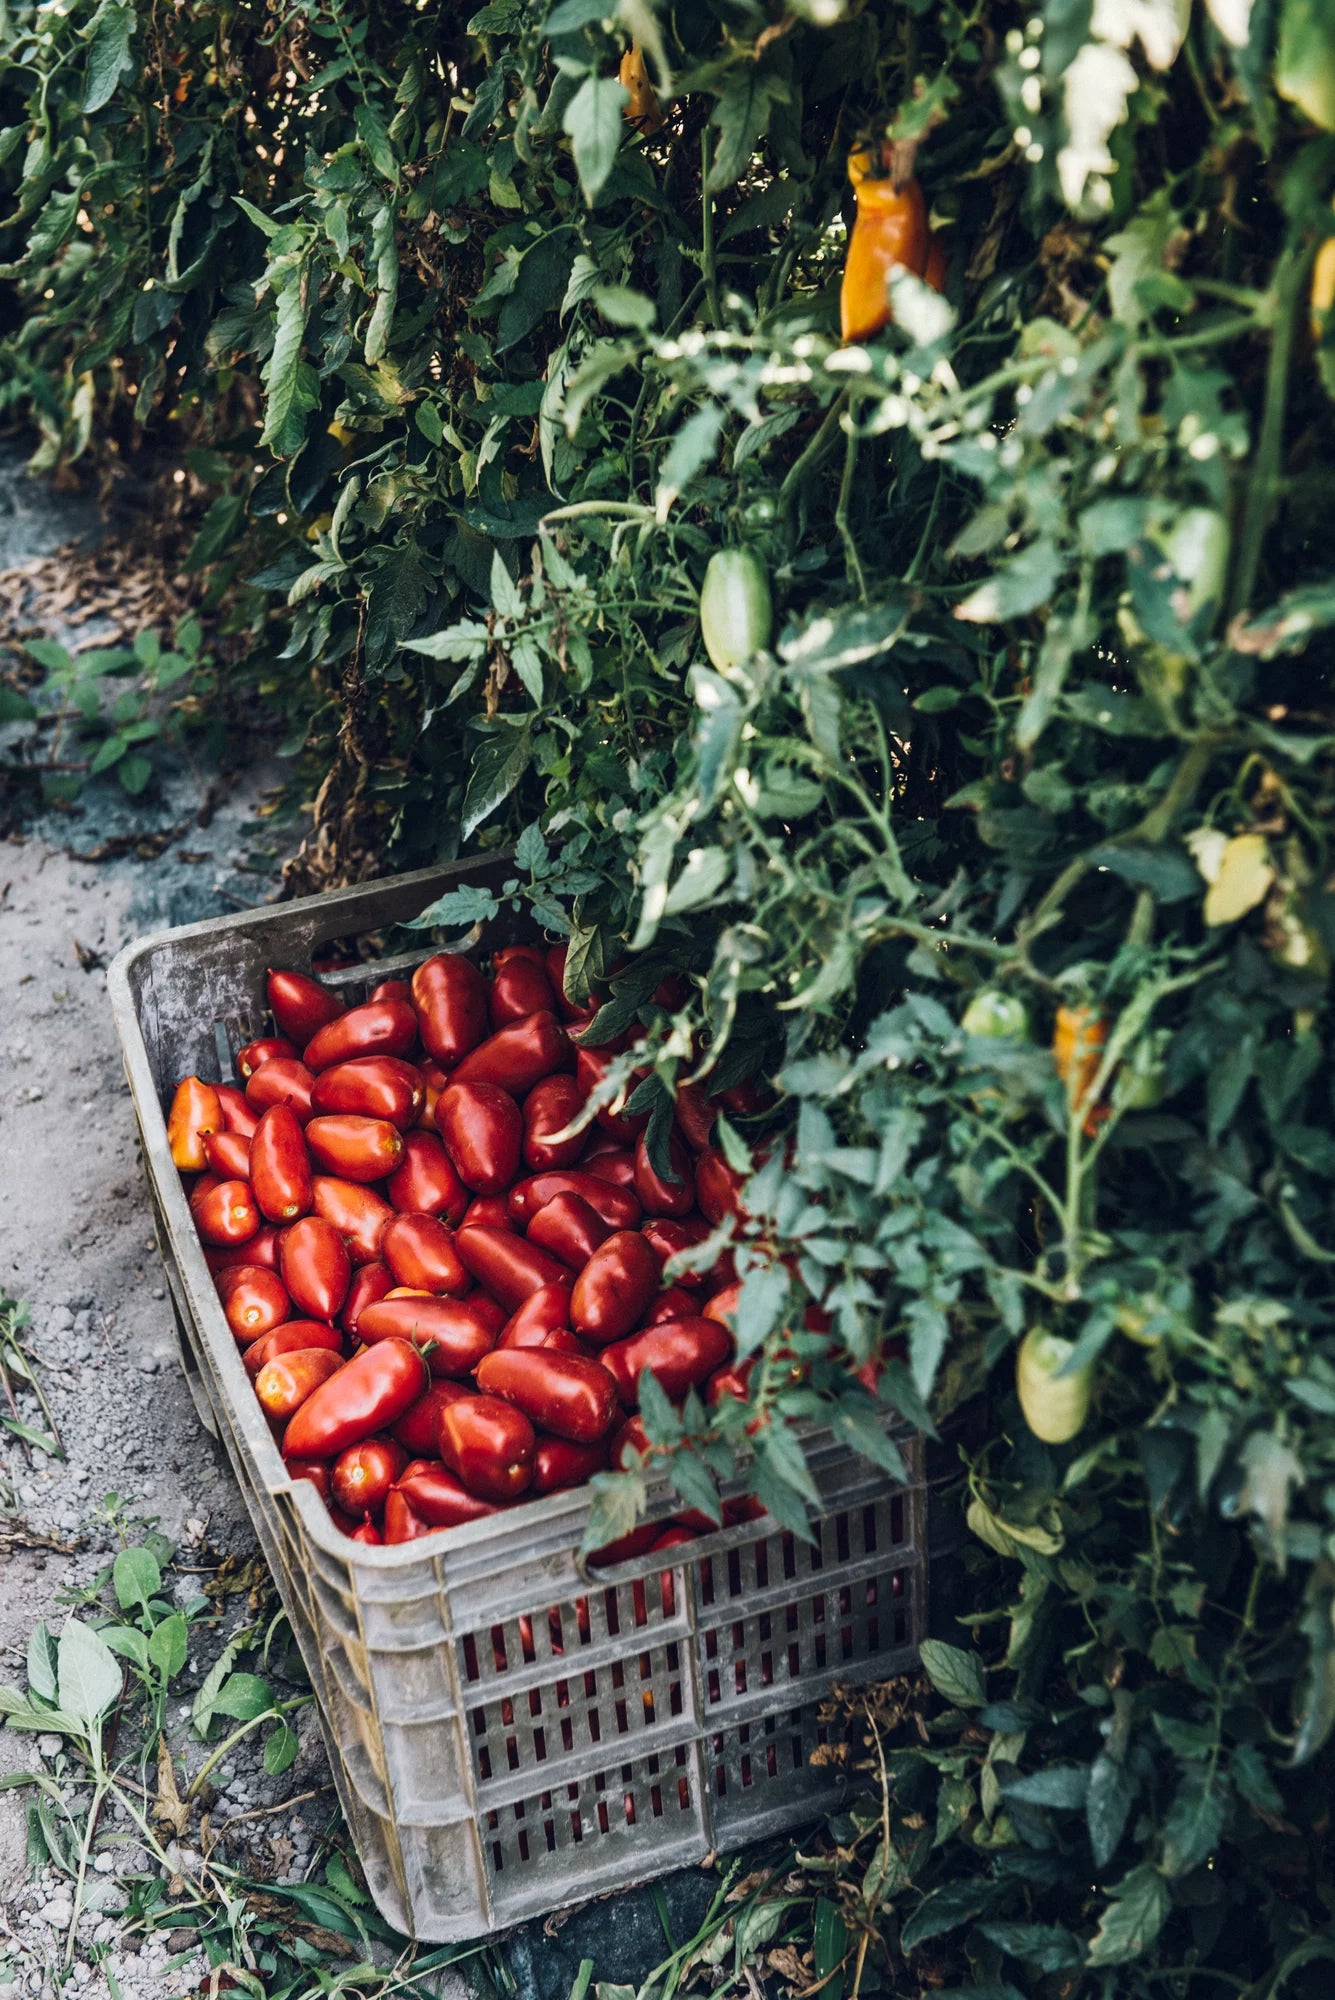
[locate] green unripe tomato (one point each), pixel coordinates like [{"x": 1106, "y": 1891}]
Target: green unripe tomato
[
  {"x": 761, "y": 512},
  {"x": 1139, "y": 1084},
  {"x": 1055, "y": 1406},
  {"x": 736, "y": 610},
  {"x": 996, "y": 1016}
]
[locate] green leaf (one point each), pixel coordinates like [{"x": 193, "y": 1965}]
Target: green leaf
[
  {"x": 134, "y": 774},
  {"x": 128, "y": 1642},
  {"x": 374, "y": 135},
  {"x": 1305, "y": 60},
  {"x": 88, "y": 1678},
  {"x": 1047, "y": 1947},
  {"x": 42, "y": 1659},
  {"x": 954, "y": 1673},
  {"x": 1017, "y": 587},
  {"x": 1194, "y": 1823},
  {"x": 243, "y": 1697},
  {"x": 291, "y": 385},
  {"x": 1064, "y": 1787},
  {"x": 624, "y": 307},
  {"x": 15, "y": 707},
  {"x": 741, "y": 115},
  {"x": 135, "y": 1577},
  {"x": 398, "y": 592},
  {"x": 946, "y": 1908},
  {"x": 168, "y": 1644},
  {"x": 593, "y": 124},
  {"x": 280, "y": 1750},
  {"x": 456, "y": 906},
  {"x": 618, "y": 1500},
  {"x": 108, "y": 55},
  {"x": 217, "y": 531},
  {"x": 690, "y": 450},
  {"x": 1112, "y": 1793},
  {"x": 1133, "y": 1918},
  {"x": 499, "y": 762}
]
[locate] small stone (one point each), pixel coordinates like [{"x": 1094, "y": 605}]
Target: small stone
[
  {"x": 146, "y": 1363},
  {"x": 50, "y": 1746},
  {"x": 56, "y": 1913},
  {"x": 103, "y": 1864},
  {"x": 59, "y": 1319},
  {"x": 157, "y": 1293}
]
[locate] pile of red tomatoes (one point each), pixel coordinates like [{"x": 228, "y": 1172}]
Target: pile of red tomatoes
[{"x": 444, "y": 1297}]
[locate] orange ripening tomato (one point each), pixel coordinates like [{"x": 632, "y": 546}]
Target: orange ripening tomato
[
  {"x": 1078, "y": 1038},
  {"x": 195, "y": 1112},
  {"x": 643, "y": 109},
  {"x": 889, "y": 233}
]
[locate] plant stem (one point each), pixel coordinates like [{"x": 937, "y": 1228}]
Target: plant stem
[
  {"x": 1263, "y": 480},
  {"x": 852, "y": 561},
  {"x": 708, "y": 269}
]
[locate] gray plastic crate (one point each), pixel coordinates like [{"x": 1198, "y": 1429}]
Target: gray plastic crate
[{"x": 509, "y": 1731}]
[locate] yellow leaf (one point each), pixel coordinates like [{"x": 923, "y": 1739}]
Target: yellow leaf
[{"x": 1245, "y": 875}]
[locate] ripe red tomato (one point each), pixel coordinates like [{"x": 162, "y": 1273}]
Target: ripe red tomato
[
  {"x": 368, "y": 1394},
  {"x": 228, "y": 1155},
  {"x": 519, "y": 984},
  {"x": 557, "y": 1463},
  {"x": 253, "y": 1301},
  {"x": 314, "y": 1265},
  {"x": 371, "y": 1087},
  {"x": 591, "y": 1065},
  {"x": 659, "y": 1195},
  {"x": 482, "y": 1130},
  {"x": 418, "y": 1429},
  {"x": 357, "y": 1212},
  {"x": 300, "y": 1005},
  {"x": 717, "y": 1186},
  {"x": 452, "y": 1333},
  {"x": 681, "y": 1354},
  {"x": 425, "y": 1183},
  {"x": 541, "y": 1314},
  {"x": 361, "y": 1476},
  {"x": 437, "y": 1499},
  {"x": 489, "y": 1446},
  {"x": 370, "y": 1283},
  {"x": 569, "y": 1228},
  {"x": 280, "y": 1166},
  {"x": 619, "y": 1207},
  {"x": 376, "y": 1028},
  {"x": 249, "y": 1057},
  {"x": 559, "y": 1393},
  {"x": 549, "y": 1108},
  {"x": 519, "y": 1055},
  {"x": 226, "y": 1215},
  {"x": 420, "y": 1251},
  {"x": 505, "y": 1265},
  {"x": 237, "y": 1114},
  {"x": 281, "y": 1081},
  {"x": 615, "y": 1288},
  {"x": 355, "y": 1149},
  {"x": 450, "y": 998}
]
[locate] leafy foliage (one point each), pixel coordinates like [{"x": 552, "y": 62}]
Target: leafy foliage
[{"x": 481, "y": 371}]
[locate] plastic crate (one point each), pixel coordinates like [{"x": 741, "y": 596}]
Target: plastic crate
[{"x": 509, "y": 1731}]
